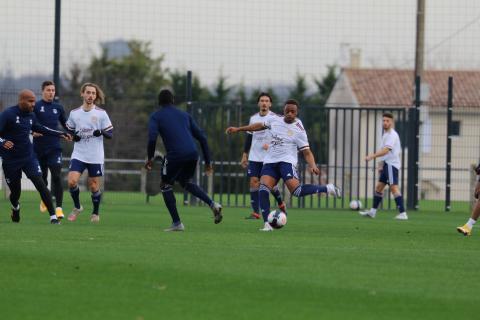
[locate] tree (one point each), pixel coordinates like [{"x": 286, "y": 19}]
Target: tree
[
  {"x": 221, "y": 91},
  {"x": 325, "y": 85},
  {"x": 299, "y": 90},
  {"x": 178, "y": 80}
]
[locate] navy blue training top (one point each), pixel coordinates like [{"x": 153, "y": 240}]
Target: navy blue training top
[
  {"x": 16, "y": 126},
  {"x": 177, "y": 129},
  {"x": 48, "y": 114}
]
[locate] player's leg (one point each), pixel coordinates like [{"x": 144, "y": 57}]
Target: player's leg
[
  {"x": 95, "y": 171},
  {"x": 270, "y": 177},
  {"x": 13, "y": 176},
  {"x": 466, "y": 229},
  {"x": 254, "y": 172},
  {"x": 290, "y": 177},
  {"x": 55, "y": 166},
  {"x": 184, "y": 177},
  {"x": 169, "y": 173},
  {"x": 383, "y": 180},
  {"x": 44, "y": 168},
  {"x": 34, "y": 173},
  {"x": 278, "y": 197},
  {"x": 75, "y": 172},
  {"x": 397, "y": 195}
]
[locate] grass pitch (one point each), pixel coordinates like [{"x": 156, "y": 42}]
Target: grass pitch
[{"x": 324, "y": 264}]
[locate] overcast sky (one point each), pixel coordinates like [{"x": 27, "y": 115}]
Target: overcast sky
[{"x": 259, "y": 42}]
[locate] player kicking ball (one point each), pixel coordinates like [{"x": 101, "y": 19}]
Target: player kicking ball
[
  {"x": 89, "y": 125},
  {"x": 389, "y": 165},
  {"x": 288, "y": 137}
]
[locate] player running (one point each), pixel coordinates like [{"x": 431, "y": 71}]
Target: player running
[
  {"x": 288, "y": 137},
  {"x": 178, "y": 129},
  {"x": 47, "y": 148},
  {"x": 89, "y": 124},
  {"x": 16, "y": 124},
  {"x": 389, "y": 165},
  {"x": 255, "y": 149},
  {"x": 466, "y": 229}
]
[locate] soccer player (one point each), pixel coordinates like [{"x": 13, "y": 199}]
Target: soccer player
[
  {"x": 255, "y": 149},
  {"x": 47, "y": 148},
  {"x": 17, "y": 154},
  {"x": 466, "y": 229},
  {"x": 90, "y": 125},
  {"x": 288, "y": 137},
  {"x": 178, "y": 130},
  {"x": 389, "y": 165}
]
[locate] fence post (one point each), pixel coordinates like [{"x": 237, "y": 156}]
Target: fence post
[
  {"x": 413, "y": 153},
  {"x": 56, "y": 50},
  {"x": 188, "y": 95},
  {"x": 449, "y": 143}
]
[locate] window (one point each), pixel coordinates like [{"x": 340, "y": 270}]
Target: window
[{"x": 455, "y": 129}]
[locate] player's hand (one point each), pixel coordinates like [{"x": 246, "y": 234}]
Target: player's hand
[
  {"x": 36, "y": 134},
  {"x": 66, "y": 136},
  {"x": 244, "y": 161},
  {"x": 97, "y": 133},
  {"x": 208, "y": 170},
  {"x": 7, "y": 144},
  {"x": 148, "y": 165},
  {"x": 76, "y": 137},
  {"x": 315, "y": 170},
  {"x": 369, "y": 157},
  {"x": 477, "y": 170},
  {"x": 231, "y": 130},
  {"x": 265, "y": 146}
]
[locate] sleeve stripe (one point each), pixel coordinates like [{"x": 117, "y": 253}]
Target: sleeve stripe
[
  {"x": 69, "y": 127},
  {"x": 108, "y": 128},
  {"x": 304, "y": 147}
]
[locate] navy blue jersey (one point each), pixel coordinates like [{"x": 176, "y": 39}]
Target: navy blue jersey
[
  {"x": 49, "y": 114},
  {"x": 177, "y": 129},
  {"x": 16, "y": 126}
]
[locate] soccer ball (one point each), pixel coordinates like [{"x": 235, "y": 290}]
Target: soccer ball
[
  {"x": 277, "y": 219},
  {"x": 355, "y": 205}
]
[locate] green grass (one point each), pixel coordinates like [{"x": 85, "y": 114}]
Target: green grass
[{"x": 324, "y": 264}]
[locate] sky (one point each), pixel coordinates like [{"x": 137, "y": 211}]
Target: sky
[{"x": 258, "y": 43}]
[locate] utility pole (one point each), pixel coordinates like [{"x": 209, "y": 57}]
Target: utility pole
[
  {"x": 420, "y": 38},
  {"x": 56, "y": 49}
]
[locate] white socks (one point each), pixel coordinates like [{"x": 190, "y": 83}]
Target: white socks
[{"x": 471, "y": 222}]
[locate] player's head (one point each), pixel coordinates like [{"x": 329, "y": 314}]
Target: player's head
[
  {"x": 26, "y": 100},
  {"x": 264, "y": 102},
  {"x": 92, "y": 94},
  {"x": 290, "y": 111},
  {"x": 388, "y": 120},
  {"x": 165, "y": 97},
  {"x": 48, "y": 90}
]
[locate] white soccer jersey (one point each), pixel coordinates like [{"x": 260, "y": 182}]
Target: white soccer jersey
[
  {"x": 90, "y": 148},
  {"x": 391, "y": 140},
  {"x": 259, "y": 138},
  {"x": 286, "y": 140}
]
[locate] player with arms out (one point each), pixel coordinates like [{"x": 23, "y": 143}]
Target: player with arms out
[
  {"x": 389, "y": 165},
  {"x": 288, "y": 138},
  {"x": 466, "y": 229},
  {"x": 178, "y": 129},
  {"x": 47, "y": 147},
  {"x": 89, "y": 124},
  {"x": 16, "y": 124},
  {"x": 255, "y": 149}
]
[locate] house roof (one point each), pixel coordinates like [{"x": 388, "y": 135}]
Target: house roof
[{"x": 393, "y": 87}]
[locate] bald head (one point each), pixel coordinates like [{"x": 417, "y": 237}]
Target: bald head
[{"x": 26, "y": 100}]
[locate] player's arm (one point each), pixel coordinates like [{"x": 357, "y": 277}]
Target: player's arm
[
  {"x": 107, "y": 132},
  {"x": 37, "y": 127},
  {"x": 310, "y": 159},
  {"x": 71, "y": 128},
  {"x": 379, "y": 153},
  {"x": 152, "y": 142},
  {"x": 202, "y": 138},
  {"x": 477, "y": 186},
  {"x": 62, "y": 119},
  {"x": 252, "y": 127},
  {"x": 246, "y": 150},
  {"x": 7, "y": 144}
]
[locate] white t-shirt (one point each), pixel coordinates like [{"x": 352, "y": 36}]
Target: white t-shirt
[
  {"x": 286, "y": 139},
  {"x": 259, "y": 138},
  {"x": 391, "y": 140},
  {"x": 90, "y": 148}
]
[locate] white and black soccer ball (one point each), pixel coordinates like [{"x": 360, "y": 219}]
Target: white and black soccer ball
[
  {"x": 355, "y": 205},
  {"x": 277, "y": 219}
]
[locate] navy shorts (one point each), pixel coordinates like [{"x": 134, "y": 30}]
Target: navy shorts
[
  {"x": 254, "y": 169},
  {"x": 279, "y": 170},
  {"x": 181, "y": 171},
  {"x": 50, "y": 158},
  {"x": 389, "y": 175},
  {"x": 94, "y": 169},
  {"x": 13, "y": 171}
]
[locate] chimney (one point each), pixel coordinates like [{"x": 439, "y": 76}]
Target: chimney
[{"x": 355, "y": 58}]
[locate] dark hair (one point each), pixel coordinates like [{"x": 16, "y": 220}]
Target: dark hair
[
  {"x": 293, "y": 101},
  {"x": 165, "y": 97},
  {"x": 47, "y": 83},
  {"x": 388, "y": 115},
  {"x": 264, "y": 94}
]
